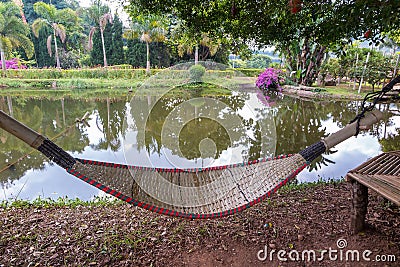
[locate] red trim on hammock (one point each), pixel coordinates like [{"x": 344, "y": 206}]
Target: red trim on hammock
[{"x": 174, "y": 213}]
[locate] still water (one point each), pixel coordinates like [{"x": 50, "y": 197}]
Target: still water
[{"x": 136, "y": 131}]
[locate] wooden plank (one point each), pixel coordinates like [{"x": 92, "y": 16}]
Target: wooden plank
[
  {"x": 393, "y": 163},
  {"x": 380, "y": 163},
  {"x": 368, "y": 164},
  {"x": 383, "y": 187},
  {"x": 393, "y": 180}
]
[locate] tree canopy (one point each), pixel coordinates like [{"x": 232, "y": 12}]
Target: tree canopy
[{"x": 270, "y": 21}]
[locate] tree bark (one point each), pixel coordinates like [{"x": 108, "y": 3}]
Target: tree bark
[
  {"x": 56, "y": 50},
  {"x": 196, "y": 55},
  {"x": 104, "y": 48},
  {"x": 3, "y": 60},
  {"x": 147, "y": 57}
]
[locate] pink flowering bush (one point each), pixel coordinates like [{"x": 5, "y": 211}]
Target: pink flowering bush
[
  {"x": 270, "y": 80},
  {"x": 14, "y": 64}
]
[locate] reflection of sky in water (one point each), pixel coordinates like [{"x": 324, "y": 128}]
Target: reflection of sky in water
[
  {"x": 350, "y": 153},
  {"x": 54, "y": 182}
]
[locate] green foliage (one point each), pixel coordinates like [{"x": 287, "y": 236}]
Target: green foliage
[
  {"x": 196, "y": 72},
  {"x": 332, "y": 68},
  {"x": 378, "y": 69},
  {"x": 96, "y": 54},
  {"x": 117, "y": 52},
  {"x": 136, "y": 54},
  {"x": 303, "y": 36},
  {"x": 31, "y": 15},
  {"x": 13, "y": 32},
  {"x": 59, "y": 202},
  {"x": 148, "y": 28},
  {"x": 258, "y": 61}
]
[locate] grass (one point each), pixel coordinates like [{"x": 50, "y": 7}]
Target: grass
[
  {"x": 303, "y": 186},
  {"x": 110, "y": 201},
  {"x": 59, "y": 202}
]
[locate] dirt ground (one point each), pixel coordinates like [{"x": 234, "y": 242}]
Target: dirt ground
[{"x": 297, "y": 222}]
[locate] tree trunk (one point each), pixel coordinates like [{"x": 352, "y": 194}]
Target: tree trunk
[
  {"x": 3, "y": 60},
  {"x": 147, "y": 57},
  {"x": 104, "y": 47},
  {"x": 56, "y": 50},
  {"x": 196, "y": 55}
]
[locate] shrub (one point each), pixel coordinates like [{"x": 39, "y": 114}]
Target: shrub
[
  {"x": 270, "y": 80},
  {"x": 196, "y": 72}
]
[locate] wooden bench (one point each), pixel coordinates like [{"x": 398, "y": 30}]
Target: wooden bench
[{"x": 381, "y": 174}]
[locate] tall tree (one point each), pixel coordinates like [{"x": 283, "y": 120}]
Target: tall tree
[
  {"x": 117, "y": 56},
  {"x": 149, "y": 28},
  {"x": 54, "y": 19},
  {"x": 13, "y": 32},
  {"x": 101, "y": 16}
]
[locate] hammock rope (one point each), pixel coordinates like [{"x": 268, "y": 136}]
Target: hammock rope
[
  {"x": 373, "y": 98},
  {"x": 196, "y": 193}
]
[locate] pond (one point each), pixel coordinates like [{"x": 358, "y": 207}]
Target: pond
[{"x": 180, "y": 132}]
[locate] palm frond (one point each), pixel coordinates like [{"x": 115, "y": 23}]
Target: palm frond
[
  {"x": 60, "y": 31},
  {"x": 5, "y": 44},
  {"x": 19, "y": 40},
  {"x": 90, "y": 39},
  {"x": 37, "y": 25},
  {"x": 45, "y": 11},
  {"x": 104, "y": 19},
  {"x": 48, "y": 44}
]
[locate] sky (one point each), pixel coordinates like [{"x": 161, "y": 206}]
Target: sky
[{"x": 114, "y": 5}]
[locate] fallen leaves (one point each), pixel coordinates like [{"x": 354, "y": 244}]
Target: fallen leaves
[{"x": 124, "y": 235}]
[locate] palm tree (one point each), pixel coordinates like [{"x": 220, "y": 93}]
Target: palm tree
[
  {"x": 187, "y": 40},
  {"x": 150, "y": 28},
  {"x": 102, "y": 21},
  {"x": 53, "y": 18},
  {"x": 100, "y": 16},
  {"x": 13, "y": 32}
]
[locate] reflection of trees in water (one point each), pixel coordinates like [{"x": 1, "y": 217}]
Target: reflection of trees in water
[
  {"x": 197, "y": 130},
  {"x": 111, "y": 114},
  {"x": 150, "y": 114},
  {"x": 389, "y": 140},
  {"x": 45, "y": 117},
  {"x": 298, "y": 124}
]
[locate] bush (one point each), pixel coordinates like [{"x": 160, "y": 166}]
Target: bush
[
  {"x": 196, "y": 72},
  {"x": 270, "y": 80}
]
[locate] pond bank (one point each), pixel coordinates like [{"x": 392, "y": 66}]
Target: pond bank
[
  {"x": 313, "y": 216},
  {"x": 319, "y": 93}
]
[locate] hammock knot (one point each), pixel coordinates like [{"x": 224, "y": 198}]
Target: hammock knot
[{"x": 373, "y": 98}]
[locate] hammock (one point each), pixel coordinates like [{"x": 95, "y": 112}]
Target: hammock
[
  {"x": 197, "y": 193},
  {"x": 203, "y": 193}
]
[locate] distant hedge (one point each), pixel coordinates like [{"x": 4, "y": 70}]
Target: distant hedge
[
  {"x": 97, "y": 73},
  {"x": 120, "y": 72}
]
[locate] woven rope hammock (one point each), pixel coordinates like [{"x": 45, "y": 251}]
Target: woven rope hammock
[
  {"x": 206, "y": 193},
  {"x": 192, "y": 193}
]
